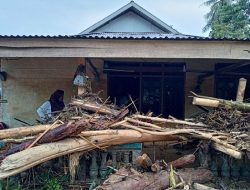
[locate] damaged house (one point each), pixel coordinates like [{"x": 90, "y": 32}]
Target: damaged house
[
  {"x": 129, "y": 52},
  {"x": 130, "y": 57}
]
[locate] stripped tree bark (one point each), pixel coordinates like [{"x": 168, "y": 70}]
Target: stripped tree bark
[
  {"x": 55, "y": 134},
  {"x": 28, "y": 158},
  {"x": 65, "y": 130}
]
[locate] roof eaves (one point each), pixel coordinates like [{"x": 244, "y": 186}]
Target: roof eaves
[{"x": 126, "y": 37}]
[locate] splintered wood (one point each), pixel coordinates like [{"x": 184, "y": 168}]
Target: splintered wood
[{"x": 91, "y": 123}]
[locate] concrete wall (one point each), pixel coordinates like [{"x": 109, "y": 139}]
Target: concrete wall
[
  {"x": 31, "y": 81},
  {"x": 129, "y": 22}
]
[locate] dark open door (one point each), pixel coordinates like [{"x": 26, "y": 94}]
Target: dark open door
[
  {"x": 121, "y": 87},
  {"x": 156, "y": 87}
]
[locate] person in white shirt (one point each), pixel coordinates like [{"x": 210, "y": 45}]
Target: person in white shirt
[{"x": 49, "y": 108}]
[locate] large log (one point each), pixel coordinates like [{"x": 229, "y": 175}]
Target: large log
[
  {"x": 28, "y": 158},
  {"x": 158, "y": 181},
  {"x": 55, "y": 134},
  {"x": 65, "y": 130},
  {"x": 23, "y": 131},
  {"x": 183, "y": 161}
]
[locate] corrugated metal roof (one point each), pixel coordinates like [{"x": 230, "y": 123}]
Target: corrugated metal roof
[
  {"x": 140, "y": 35},
  {"x": 129, "y": 36}
]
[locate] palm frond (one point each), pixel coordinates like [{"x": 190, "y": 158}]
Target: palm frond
[{"x": 210, "y": 2}]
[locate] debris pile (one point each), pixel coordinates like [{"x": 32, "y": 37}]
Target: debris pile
[
  {"x": 166, "y": 178},
  {"x": 227, "y": 120},
  {"x": 89, "y": 123}
]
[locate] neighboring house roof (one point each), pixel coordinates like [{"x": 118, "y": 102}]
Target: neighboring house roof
[{"x": 138, "y": 10}]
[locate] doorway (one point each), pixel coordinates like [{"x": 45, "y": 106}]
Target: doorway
[{"x": 156, "y": 87}]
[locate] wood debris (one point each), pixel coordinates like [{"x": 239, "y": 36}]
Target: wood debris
[
  {"x": 90, "y": 123},
  {"x": 149, "y": 180}
]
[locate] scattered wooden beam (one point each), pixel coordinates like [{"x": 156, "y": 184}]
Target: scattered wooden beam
[
  {"x": 170, "y": 121},
  {"x": 94, "y": 107}
]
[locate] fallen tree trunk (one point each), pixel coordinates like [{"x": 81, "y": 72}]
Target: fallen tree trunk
[
  {"x": 23, "y": 131},
  {"x": 182, "y": 161},
  {"x": 65, "y": 130},
  {"x": 55, "y": 134},
  {"x": 156, "y": 181},
  {"x": 28, "y": 158}
]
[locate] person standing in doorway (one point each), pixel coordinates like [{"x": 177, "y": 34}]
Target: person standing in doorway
[{"x": 49, "y": 108}]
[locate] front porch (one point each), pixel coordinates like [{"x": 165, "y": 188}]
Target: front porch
[{"x": 158, "y": 85}]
